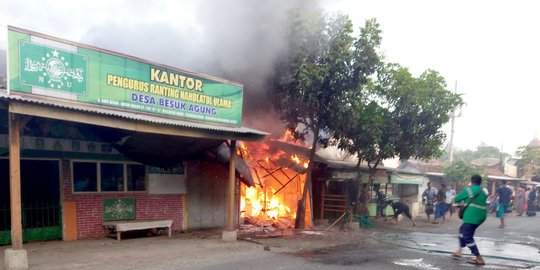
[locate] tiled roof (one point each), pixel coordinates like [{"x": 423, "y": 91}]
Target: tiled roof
[
  {"x": 485, "y": 162},
  {"x": 494, "y": 171},
  {"x": 431, "y": 166}
]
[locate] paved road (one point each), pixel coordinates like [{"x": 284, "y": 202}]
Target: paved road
[
  {"x": 425, "y": 247},
  {"x": 429, "y": 246}
]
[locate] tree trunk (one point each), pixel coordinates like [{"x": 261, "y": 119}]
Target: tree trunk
[
  {"x": 370, "y": 184},
  {"x": 300, "y": 222},
  {"x": 363, "y": 196}
]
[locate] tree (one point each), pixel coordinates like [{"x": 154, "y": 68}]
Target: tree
[
  {"x": 529, "y": 161},
  {"x": 398, "y": 115},
  {"x": 322, "y": 64},
  {"x": 488, "y": 151},
  {"x": 482, "y": 151},
  {"x": 460, "y": 172}
]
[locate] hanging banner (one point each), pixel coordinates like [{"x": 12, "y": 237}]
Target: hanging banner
[{"x": 48, "y": 66}]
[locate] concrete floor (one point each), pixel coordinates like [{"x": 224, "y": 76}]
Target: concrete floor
[{"x": 386, "y": 246}]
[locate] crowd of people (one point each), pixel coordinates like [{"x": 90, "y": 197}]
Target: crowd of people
[
  {"x": 474, "y": 203},
  {"x": 506, "y": 198}
]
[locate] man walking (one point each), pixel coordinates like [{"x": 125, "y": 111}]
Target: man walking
[
  {"x": 474, "y": 215},
  {"x": 505, "y": 195},
  {"x": 429, "y": 197}
]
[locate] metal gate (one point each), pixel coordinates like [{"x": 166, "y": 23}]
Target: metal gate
[{"x": 40, "y": 198}]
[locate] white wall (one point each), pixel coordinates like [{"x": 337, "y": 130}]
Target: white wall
[{"x": 166, "y": 183}]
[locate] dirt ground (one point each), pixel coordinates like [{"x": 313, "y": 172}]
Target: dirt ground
[
  {"x": 205, "y": 250},
  {"x": 179, "y": 252}
]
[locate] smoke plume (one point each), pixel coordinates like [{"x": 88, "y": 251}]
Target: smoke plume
[{"x": 234, "y": 40}]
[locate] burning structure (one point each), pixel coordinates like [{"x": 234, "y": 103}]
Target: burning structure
[
  {"x": 277, "y": 170},
  {"x": 279, "y": 178}
]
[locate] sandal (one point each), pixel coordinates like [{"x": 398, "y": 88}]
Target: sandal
[
  {"x": 456, "y": 256},
  {"x": 476, "y": 261}
]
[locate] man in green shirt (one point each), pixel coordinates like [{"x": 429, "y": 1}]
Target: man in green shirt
[{"x": 475, "y": 214}]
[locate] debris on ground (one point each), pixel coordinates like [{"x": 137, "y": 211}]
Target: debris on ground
[{"x": 312, "y": 233}]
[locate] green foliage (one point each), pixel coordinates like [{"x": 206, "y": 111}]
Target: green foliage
[
  {"x": 318, "y": 76},
  {"x": 398, "y": 115},
  {"x": 321, "y": 67},
  {"x": 529, "y": 161},
  {"x": 321, "y": 75},
  {"x": 482, "y": 151},
  {"x": 460, "y": 171}
]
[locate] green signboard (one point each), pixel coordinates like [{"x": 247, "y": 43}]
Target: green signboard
[
  {"x": 47, "y": 66},
  {"x": 118, "y": 209},
  {"x": 51, "y": 68}
]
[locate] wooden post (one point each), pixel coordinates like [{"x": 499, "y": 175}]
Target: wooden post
[
  {"x": 232, "y": 186},
  {"x": 15, "y": 180},
  {"x": 323, "y": 190}
]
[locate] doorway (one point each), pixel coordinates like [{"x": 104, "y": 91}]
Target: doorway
[{"x": 40, "y": 199}]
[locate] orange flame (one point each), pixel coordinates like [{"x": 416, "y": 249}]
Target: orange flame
[
  {"x": 259, "y": 205},
  {"x": 273, "y": 201},
  {"x": 296, "y": 159},
  {"x": 242, "y": 150}
]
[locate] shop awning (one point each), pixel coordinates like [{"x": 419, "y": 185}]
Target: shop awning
[
  {"x": 412, "y": 179},
  {"x": 48, "y": 107}
]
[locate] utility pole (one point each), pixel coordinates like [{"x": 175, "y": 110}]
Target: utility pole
[
  {"x": 452, "y": 129},
  {"x": 501, "y": 164}
]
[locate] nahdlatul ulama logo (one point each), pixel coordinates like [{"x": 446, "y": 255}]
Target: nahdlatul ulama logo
[{"x": 53, "y": 68}]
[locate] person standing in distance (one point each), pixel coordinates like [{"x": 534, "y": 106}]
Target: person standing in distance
[
  {"x": 475, "y": 214},
  {"x": 382, "y": 202},
  {"x": 428, "y": 197},
  {"x": 450, "y": 195},
  {"x": 440, "y": 205},
  {"x": 505, "y": 195}
]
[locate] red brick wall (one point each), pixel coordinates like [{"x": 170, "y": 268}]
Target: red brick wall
[{"x": 89, "y": 207}]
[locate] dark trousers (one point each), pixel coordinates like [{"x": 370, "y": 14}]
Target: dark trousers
[
  {"x": 466, "y": 237},
  {"x": 405, "y": 212},
  {"x": 531, "y": 209},
  {"x": 382, "y": 209}
]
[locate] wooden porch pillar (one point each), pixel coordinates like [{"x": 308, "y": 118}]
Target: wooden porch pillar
[
  {"x": 229, "y": 233},
  {"x": 15, "y": 124},
  {"x": 232, "y": 188}
]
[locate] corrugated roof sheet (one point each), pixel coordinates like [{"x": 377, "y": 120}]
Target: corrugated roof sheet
[
  {"x": 133, "y": 115},
  {"x": 507, "y": 178}
]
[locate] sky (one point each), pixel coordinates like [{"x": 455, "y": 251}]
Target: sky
[{"x": 490, "y": 48}]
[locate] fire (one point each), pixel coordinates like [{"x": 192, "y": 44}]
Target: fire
[
  {"x": 296, "y": 159},
  {"x": 287, "y": 136},
  {"x": 279, "y": 178},
  {"x": 262, "y": 205},
  {"x": 242, "y": 150}
]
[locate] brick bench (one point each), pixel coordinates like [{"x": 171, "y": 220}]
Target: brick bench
[{"x": 121, "y": 226}]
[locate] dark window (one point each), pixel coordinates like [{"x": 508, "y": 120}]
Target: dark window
[
  {"x": 84, "y": 176},
  {"x": 112, "y": 177},
  {"x": 135, "y": 177}
]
